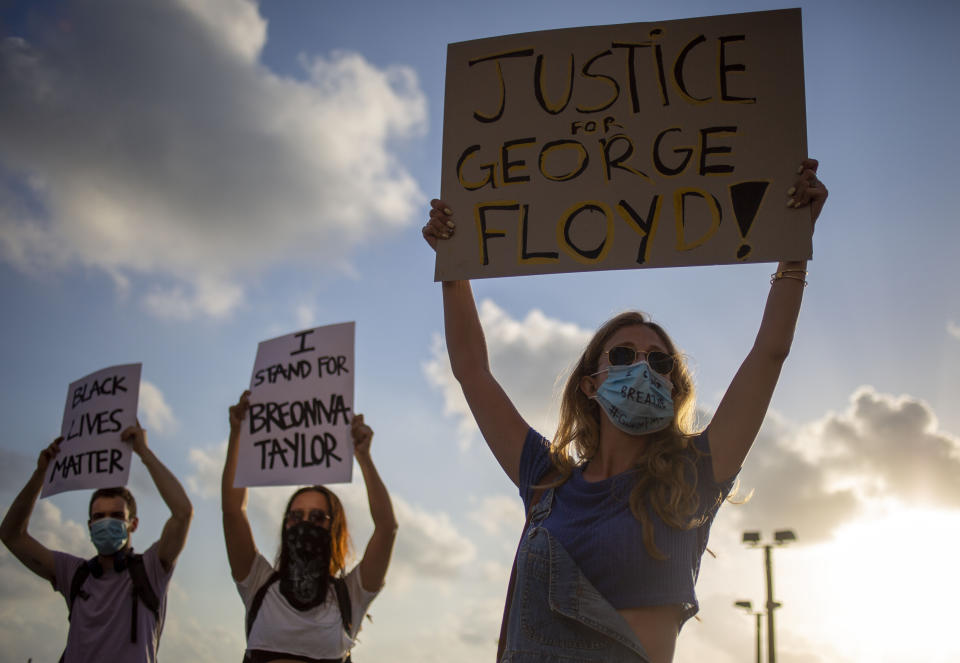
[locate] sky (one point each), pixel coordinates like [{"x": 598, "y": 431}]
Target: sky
[{"x": 180, "y": 180}]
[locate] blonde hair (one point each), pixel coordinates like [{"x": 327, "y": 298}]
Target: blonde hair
[{"x": 661, "y": 473}]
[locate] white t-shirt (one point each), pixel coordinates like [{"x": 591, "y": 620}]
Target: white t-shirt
[{"x": 317, "y": 632}]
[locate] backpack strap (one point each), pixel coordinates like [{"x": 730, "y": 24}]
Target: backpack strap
[
  {"x": 76, "y": 586},
  {"x": 142, "y": 591},
  {"x": 343, "y": 600},
  {"x": 258, "y": 600},
  {"x": 549, "y": 475}
]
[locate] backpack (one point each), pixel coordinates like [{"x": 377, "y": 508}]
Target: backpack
[
  {"x": 343, "y": 601},
  {"x": 142, "y": 589}
]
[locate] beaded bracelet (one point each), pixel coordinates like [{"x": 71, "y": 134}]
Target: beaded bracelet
[{"x": 786, "y": 274}]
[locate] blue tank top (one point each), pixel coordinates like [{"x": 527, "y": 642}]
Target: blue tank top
[{"x": 594, "y": 524}]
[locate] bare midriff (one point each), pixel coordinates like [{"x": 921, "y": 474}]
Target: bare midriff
[{"x": 657, "y": 628}]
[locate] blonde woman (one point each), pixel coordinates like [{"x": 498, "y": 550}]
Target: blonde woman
[{"x": 620, "y": 503}]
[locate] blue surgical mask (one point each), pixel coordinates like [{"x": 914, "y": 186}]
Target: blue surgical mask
[
  {"x": 108, "y": 535},
  {"x": 637, "y": 400}
]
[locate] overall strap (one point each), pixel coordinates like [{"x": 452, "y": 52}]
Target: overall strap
[{"x": 538, "y": 492}]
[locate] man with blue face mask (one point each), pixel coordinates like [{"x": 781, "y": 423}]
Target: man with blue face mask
[{"x": 117, "y": 600}]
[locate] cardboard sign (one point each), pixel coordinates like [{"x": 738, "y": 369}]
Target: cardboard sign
[
  {"x": 625, "y": 146},
  {"x": 297, "y": 430},
  {"x": 99, "y": 408}
]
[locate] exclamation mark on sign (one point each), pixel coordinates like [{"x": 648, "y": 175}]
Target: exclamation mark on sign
[{"x": 746, "y": 198}]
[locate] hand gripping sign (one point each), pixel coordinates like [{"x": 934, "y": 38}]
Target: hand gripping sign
[
  {"x": 297, "y": 430},
  {"x": 92, "y": 455},
  {"x": 625, "y": 146}
]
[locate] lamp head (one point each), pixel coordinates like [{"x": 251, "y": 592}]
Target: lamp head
[{"x": 784, "y": 536}]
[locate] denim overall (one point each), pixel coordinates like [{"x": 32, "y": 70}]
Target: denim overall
[{"x": 556, "y": 615}]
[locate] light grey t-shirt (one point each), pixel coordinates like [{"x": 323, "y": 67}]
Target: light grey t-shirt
[
  {"x": 100, "y": 624},
  {"x": 315, "y": 633}
]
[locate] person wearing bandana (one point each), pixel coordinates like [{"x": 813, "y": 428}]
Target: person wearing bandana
[
  {"x": 619, "y": 504},
  {"x": 306, "y": 606}
]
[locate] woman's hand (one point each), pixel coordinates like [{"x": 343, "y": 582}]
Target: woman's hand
[
  {"x": 808, "y": 190},
  {"x": 362, "y": 437},
  {"x": 239, "y": 411},
  {"x": 441, "y": 225}
]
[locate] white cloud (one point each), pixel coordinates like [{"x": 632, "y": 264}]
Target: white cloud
[
  {"x": 525, "y": 356},
  {"x": 208, "y": 468},
  {"x": 953, "y": 329},
  {"x": 157, "y": 414},
  {"x": 816, "y": 477},
  {"x": 205, "y": 296},
  {"x": 499, "y": 515},
  {"x": 428, "y": 544},
  {"x": 185, "y": 159},
  {"x": 306, "y": 316}
]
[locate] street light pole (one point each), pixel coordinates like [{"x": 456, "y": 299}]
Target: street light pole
[
  {"x": 780, "y": 537},
  {"x": 748, "y": 606},
  {"x": 771, "y": 605}
]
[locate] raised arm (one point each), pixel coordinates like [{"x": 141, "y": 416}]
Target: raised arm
[
  {"x": 501, "y": 425},
  {"x": 174, "y": 535},
  {"x": 13, "y": 531},
  {"x": 376, "y": 556},
  {"x": 744, "y": 405},
  {"x": 241, "y": 549}
]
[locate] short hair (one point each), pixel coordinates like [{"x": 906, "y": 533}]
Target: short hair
[{"x": 118, "y": 491}]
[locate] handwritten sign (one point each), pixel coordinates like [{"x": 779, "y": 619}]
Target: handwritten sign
[
  {"x": 92, "y": 455},
  {"x": 625, "y": 146},
  {"x": 301, "y": 403}
]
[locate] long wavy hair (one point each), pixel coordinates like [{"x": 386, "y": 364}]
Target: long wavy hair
[
  {"x": 339, "y": 534},
  {"x": 662, "y": 471}
]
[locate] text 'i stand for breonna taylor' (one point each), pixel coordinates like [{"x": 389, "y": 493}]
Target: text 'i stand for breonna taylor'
[{"x": 297, "y": 430}]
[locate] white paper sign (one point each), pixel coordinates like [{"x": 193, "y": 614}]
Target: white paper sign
[
  {"x": 297, "y": 430},
  {"x": 99, "y": 407}
]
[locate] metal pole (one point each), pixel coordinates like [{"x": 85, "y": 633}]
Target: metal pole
[
  {"x": 771, "y": 606},
  {"x": 758, "y": 615}
]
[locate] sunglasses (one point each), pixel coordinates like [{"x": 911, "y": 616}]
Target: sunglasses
[
  {"x": 622, "y": 355},
  {"x": 315, "y": 516}
]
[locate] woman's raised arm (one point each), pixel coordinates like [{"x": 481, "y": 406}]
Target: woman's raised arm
[
  {"x": 376, "y": 556},
  {"x": 501, "y": 425},
  {"x": 241, "y": 549},
  {"x": 744, "y": 405}
]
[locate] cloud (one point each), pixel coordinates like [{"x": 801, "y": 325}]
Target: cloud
[
  {"x": 816, "y": 477},
  {"x": 184, "y": 159},
  {"x": 525, "y": 356},
  {"x": 953, "y": 329},
  {"x": 428, "y": 544},
  {"x": 157, "y": 414},
  {"x": 499, "y": 516},
  {"x": 208, "y": 468}
]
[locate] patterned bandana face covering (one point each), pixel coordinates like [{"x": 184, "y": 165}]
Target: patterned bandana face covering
[
  {"x": 108, "y": 535},
  {"x": 305, "y": 565},
  {"x": 636, "y": 399}
]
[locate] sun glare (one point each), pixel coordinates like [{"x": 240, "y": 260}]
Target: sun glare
[{"x": 884, "y": 588}]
